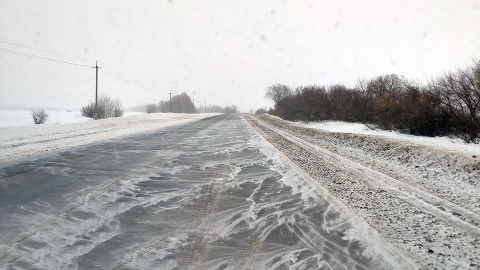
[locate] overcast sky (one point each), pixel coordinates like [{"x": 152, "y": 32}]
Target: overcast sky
[{"x": 223, "y": 52}]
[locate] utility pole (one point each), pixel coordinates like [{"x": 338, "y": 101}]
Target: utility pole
[
  {"x": 96, "y": 67},
  {"x": 170, "y": 102}
]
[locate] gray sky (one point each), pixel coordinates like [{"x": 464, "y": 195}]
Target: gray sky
[{"x": 223, "y": 52}]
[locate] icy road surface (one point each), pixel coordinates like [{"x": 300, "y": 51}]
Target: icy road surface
[{"x": 211, "y": 194}]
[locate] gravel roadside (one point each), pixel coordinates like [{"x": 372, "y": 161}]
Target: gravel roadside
[{"x": 430, "y": 241}]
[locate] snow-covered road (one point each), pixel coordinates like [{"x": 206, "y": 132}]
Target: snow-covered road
[{"x": 209, "y": 194}]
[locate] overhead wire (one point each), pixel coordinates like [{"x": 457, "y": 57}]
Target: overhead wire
[
  {"x": 112, "y": 73},
  {"x": 40, "y": 57},
  {"x": 126, "y": 79},
  {"x": 80, "y": 58},
  {"x": 106, "y": 66},
  {"x": 130, "y": 82}
]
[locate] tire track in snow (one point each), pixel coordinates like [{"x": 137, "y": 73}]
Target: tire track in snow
[{"x": 392, "y": 254}]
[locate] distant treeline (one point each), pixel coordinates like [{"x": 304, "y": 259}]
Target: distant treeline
[
  {"x": 182, "y": 103},
  {"x": 217, "y": 109},
  {"x": 447, "y": 105}
]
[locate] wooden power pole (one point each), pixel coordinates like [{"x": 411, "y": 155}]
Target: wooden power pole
[{"x": 96, "y": 67}]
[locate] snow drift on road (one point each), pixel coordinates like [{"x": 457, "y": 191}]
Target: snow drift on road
[{"x": 25, "y": 141}]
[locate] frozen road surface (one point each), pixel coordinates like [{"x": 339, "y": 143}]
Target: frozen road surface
[{"x": 211, "y": 194}]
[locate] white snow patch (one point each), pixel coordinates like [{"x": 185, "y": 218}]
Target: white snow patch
[
  {"x": 16, "y": 118},
  {"x": 452, "y": 144}
]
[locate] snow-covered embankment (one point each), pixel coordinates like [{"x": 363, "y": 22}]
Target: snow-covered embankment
[{"x": 423, "y": 198}]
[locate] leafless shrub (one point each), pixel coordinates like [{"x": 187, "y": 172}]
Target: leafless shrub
[
  {"x": 151, "y": 108},
  {"x": 261, "y": 111},
  {"x": 39, "y": 116},
  {"x": 106, "y": 108}
]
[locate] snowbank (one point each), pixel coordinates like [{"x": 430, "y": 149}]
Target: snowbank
[
  {"x": 24, "y": 141},
  {"x": 451, "y": 144}
]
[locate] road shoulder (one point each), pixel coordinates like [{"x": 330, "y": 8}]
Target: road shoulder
[{"x": 431, "y": 240}]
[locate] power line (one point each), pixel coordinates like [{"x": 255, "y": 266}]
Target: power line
[
  {"x": 39, "y": 57},
  {"x": 45, "y": 51},
  {"x": 118, "y": 75},
  {"x": 130, "y": 82},
  {"x": 127, "y": 79},
  {"x": 112, "y": 69},
  {"x": 113, "y": 75}
]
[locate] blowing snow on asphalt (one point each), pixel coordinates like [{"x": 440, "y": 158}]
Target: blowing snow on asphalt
[{"x": 205, "y": 195}]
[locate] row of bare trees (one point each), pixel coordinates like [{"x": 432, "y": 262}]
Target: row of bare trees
[
  {"x": 218, "y": 109},
  {"x": 183, "y": 104},
  {"x": 179, "y": 104},
  {"x": 447, "y": 105}
]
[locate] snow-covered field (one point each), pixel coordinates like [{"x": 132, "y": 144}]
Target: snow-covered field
[
  {"x": 452, "y": 144},
  {"x": 15, "y": 118},
  {"x": 20, "y": 141}
]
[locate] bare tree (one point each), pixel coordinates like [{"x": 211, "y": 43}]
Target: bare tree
[
  {"x": 385, "y": 92},
  {"x": 118, "y": 110},
  {"x": 182, "y": 104},
  {"x": 460, "y": 95},
  {"x": 363, "y": 103},
  {"x": 277, "y": 92},
  {"x": 39, "y": 116},
  {"x": 151, "y": 108},
  {"x": 230, "y": 109},
  {"x": 163, "y": 106}
]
